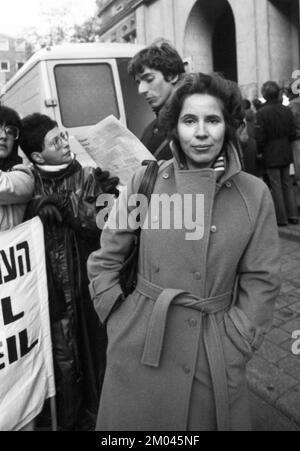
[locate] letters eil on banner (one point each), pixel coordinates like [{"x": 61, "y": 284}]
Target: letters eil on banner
[{"x": 26, "y": 368}]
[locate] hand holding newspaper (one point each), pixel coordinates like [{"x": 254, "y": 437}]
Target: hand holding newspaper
[{"x": 114, "y": 148}]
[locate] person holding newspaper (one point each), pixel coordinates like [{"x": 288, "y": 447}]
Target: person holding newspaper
[
  {"x": 178, "y": 345},
  {"x": 65, "y": 197},
  {"x": 16, "y": 180}
]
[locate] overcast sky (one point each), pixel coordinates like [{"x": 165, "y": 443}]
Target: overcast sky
[{"x": 15, "y": 15}]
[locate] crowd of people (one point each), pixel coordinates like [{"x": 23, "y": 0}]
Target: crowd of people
[{"x": 172, "y": 355}]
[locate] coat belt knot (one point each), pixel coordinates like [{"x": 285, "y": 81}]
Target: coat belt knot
[{"x": 207, "y": 307}]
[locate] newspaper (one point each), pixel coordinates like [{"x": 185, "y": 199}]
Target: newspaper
[{"x": 114, "y": 148}]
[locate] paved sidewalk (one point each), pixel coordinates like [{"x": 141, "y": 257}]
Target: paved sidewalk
[{"x": 274, "y": 372}]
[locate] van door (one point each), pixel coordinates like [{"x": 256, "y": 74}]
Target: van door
[
  {"x": 86, "y": 91},
  {"x": 137, "y": 110}
]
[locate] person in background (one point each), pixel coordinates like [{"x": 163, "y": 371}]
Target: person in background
[
  {"x": 65, "y": 195},
  {"x": 156, "y": 70},
  {"x": 275, "y": 130},
  {"x": 179, "y": 344},
  {"x": 16, "y": 180},
  {"x": 247, "y": 138}
]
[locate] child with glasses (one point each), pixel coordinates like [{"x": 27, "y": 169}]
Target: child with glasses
[
  {"x": 16, "y": 181},
  {"x": 65, "y": 197}
]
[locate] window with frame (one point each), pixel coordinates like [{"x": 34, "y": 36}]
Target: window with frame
[
  {"x": 4, "y": 66},
  {"x": 19, "y": 64},
  {"x": 86, "y": 93}
]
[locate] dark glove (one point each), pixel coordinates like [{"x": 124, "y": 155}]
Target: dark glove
[
  {"x": 50, "y": 215},
  {"x": 108, "y": 184},
  {"x": 49, "y": 208}
]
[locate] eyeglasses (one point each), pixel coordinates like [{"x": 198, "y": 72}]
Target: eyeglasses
[
  {"x": 59, "y": 140},
  {"x": 10, "y": 131}
]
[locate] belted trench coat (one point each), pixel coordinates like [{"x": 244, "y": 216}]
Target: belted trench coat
[{"x": 179, "y": 344}]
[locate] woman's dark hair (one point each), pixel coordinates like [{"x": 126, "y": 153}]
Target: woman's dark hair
[
  {"x": 34, "y": 129},
  {"x": 8, "y": 116},
  {"x": 215, "y": 85},
  {"x": 160, "y": 56}
]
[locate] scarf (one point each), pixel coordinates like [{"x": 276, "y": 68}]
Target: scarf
[{"x": 220, "y": 166}]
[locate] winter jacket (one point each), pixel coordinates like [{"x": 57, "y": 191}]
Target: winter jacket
[
  {"x": 78, "y": 341},
  {"x": 178, "y": 345},
  {"x": 274, "y": 131},
  {"x": 16, "y": 188}
]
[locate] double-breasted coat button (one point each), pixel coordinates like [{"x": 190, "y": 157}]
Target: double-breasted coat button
[
  {"x": 228, "y": 184},
  {"x": 186, "y": 369},
  {"x": 166, "y": 176},
  {"x": 213, "y": 229},
  {"x": 155, "y": 130},
  {"x": 193, "y": 322},
  {"x": 197, "y": 276}
]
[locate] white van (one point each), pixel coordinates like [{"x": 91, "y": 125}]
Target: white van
[{"x": 78, "y": 85}]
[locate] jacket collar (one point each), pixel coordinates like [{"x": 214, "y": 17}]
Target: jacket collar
[
  {"x": 232, "y": 165},
  {"x": 61, "y": 172}
]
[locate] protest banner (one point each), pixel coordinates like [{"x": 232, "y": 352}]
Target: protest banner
[
  {"x": 26, "y": 366},
  {"x": 114, "y": 148}
]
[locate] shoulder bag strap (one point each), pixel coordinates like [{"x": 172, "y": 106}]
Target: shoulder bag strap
[{"x": 149, "y": 179}]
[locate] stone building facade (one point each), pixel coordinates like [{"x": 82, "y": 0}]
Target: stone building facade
[
  {"x": 117, "y": 19},
  {"x": 250, "y": 41}
]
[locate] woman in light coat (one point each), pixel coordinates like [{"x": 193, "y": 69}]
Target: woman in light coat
[
  {"x": 179, "y": 344},
  {"x": 16, "y": 180}
]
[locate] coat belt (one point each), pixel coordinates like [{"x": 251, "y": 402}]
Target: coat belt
[{"x": 207, "y": 307}]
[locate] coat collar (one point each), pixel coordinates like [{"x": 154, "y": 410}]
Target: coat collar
[
  {"x": 233, "y": 164},
  {"x": 61, "y": 173}
]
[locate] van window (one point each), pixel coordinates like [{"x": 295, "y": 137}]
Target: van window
[
  {"x": 86, "y": 93},
  {"x": 138, "y": 112}
]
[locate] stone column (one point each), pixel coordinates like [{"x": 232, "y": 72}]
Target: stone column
[
  {"x": 141, "y": 13},
  {"x": 246, "y": 39},
  {"x": 262, "y": 26},
  {"x": 168, "y": 18}
]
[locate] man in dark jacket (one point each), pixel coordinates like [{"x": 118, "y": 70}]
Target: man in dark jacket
[
  {"x": 274, "y": 131},
  {"x": 65, "y": 197},
  {"x": 156, "y": 70}
]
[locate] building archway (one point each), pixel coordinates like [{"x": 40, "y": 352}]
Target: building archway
[
  {"x": 210, "y": 38},
  {"x": 224, "y": 45}
]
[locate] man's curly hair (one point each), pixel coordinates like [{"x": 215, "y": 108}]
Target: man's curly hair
[
  {"x": 215, "y": 85},
  {"x": 160, "y": 56}
]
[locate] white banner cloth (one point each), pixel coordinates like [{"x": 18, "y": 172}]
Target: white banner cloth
[{"x": 26, "y": 366}]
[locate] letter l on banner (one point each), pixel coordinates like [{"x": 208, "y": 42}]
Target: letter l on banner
[{"x": 26, "y": 365}]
